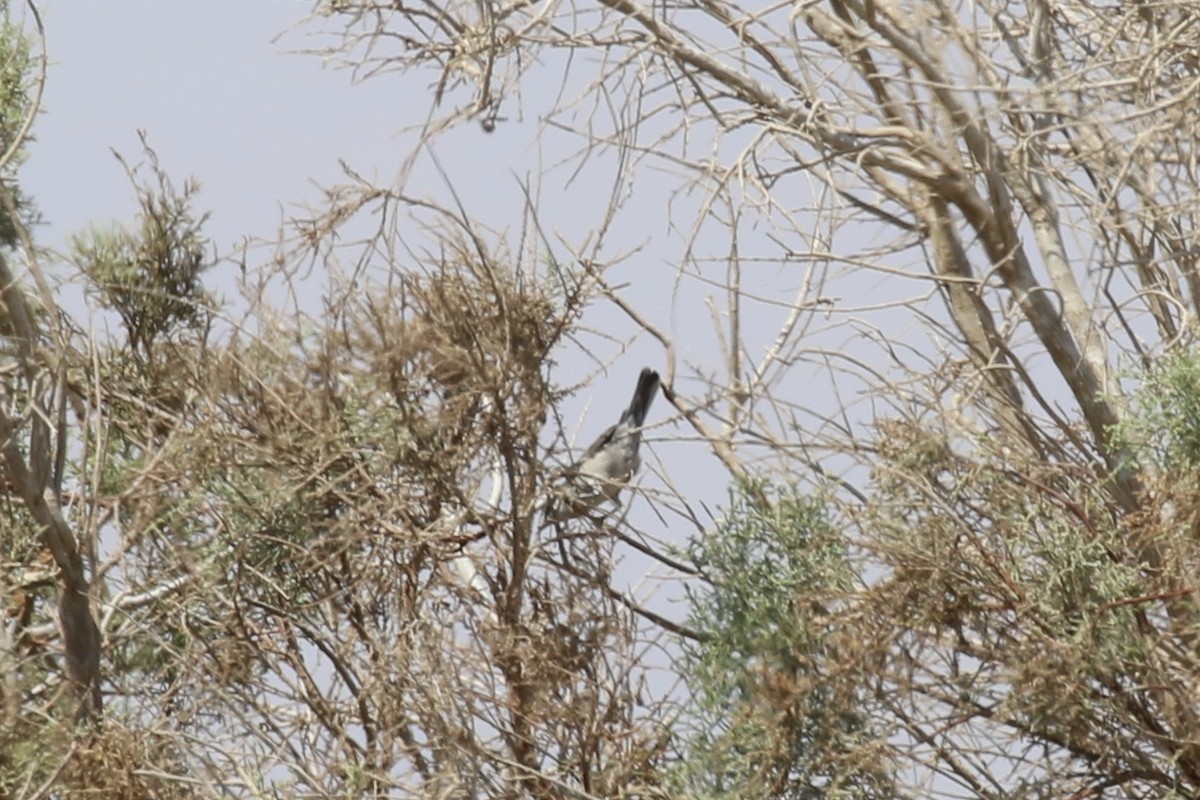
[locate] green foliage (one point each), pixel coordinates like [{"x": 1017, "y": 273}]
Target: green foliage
[
  {"x": 16, "y": 81},
  {"x": 111, "y": 763},
  {"x": 1017, "y": 584},
  {"x": 1165, "y": 431},
  {"x": 150, "y": 276},
  {"x": 966, "y": 534},
  {"x": 771, "y": 720}
]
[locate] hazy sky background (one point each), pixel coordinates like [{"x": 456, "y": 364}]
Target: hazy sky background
[{"x": 217, "y": 100}]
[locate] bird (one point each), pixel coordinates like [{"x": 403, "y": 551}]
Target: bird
[{"x": 610, "y": 461}]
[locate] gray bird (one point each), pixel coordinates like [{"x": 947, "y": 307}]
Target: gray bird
[{"x": 609, "y": 463}]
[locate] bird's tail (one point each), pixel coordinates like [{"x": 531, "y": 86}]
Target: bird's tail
[{"x": 643, "y": 396}]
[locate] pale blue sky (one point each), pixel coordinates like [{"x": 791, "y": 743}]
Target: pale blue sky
[{"x": 218, "y": 99}]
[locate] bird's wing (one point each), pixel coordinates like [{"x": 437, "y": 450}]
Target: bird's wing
[{"x": 602, "y": 441}]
